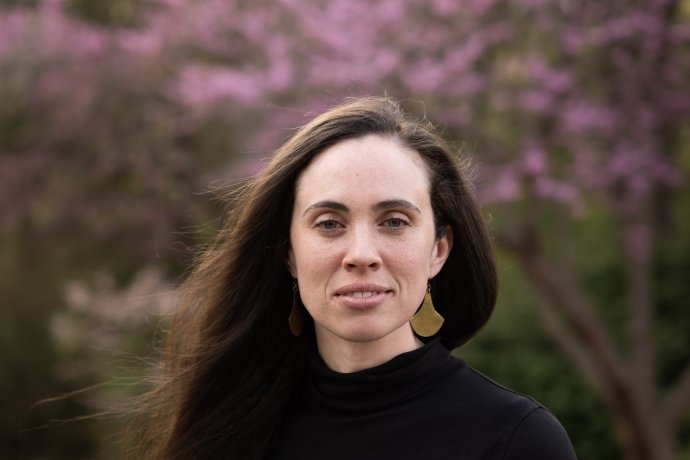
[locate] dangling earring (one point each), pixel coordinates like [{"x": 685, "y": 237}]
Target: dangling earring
[
  {"x": 296, "y": 319},
  {"x": 427, "y": 321}
]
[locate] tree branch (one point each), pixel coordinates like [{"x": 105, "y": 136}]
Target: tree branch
[
  {"x": 561, "y": 292},
  {"x": 637, "y": 238},
  {"x": 611, "y": 371},
  {"x": 570, "y": 345},
  {"x": 676, "y": 405}
]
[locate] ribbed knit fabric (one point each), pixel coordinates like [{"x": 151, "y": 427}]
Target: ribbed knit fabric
[{"x": 424, "y": 404}]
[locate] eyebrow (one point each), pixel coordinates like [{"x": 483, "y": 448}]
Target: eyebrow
[
  {"x": 328, "y": 204},
  {"x": 392, "y": 204},
  {"x": 381, "y": 206}
]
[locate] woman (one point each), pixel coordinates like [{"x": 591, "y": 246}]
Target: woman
[{"x": 300, "y": 332}]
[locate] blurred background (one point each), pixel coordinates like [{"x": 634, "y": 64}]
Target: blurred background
[{"x": 121, "y": 119}]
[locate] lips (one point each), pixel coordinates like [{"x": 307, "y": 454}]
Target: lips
[
  {"x": 361, "y": 290},
  {"x": 362, "y": 295}
]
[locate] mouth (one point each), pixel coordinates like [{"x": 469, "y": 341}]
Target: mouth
[
  {"x": 359, "y": 294},
  {"x": 361, "y": 291}
]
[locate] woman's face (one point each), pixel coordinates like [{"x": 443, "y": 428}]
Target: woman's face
[{"x": 363, "y": 243}]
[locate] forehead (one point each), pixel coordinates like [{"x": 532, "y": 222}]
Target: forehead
[{"x": 368, "y": 163}]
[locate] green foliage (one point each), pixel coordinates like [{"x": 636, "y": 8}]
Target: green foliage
[
  {"x": 514, "y": 351},
  {"x": 102, "y": 158},
  {"x": 28, "y": 368},
  {"x": 18, "y": 2},
  {"x": 100, "y": 182},
  {"x": 109, "y": 12},
  {"x": 672, "y": 272}
]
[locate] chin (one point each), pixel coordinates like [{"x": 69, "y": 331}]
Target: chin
[{"x": 366, "y": 333}]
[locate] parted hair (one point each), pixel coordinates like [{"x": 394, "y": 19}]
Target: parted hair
[{"x": 230, "y": 362}]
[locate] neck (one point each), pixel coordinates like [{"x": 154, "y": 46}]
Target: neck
[{"x": 347, "y": 356}]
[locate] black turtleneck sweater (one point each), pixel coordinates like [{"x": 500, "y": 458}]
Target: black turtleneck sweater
[{"x": 424, "y": 404}]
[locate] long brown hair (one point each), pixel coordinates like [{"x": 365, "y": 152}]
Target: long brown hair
[{"x": 230, "y": 362}]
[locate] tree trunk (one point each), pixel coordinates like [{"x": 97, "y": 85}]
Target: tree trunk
[{"x": 643, "y": 429}]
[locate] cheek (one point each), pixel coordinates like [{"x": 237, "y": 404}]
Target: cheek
[
  {"x": 419, "y": 265},
  {"x": 415, "y": 255},
  {"x": 290, "y": 263},
  {"x": 309, "y": 262},
  {"x": 299, "y": 250}
]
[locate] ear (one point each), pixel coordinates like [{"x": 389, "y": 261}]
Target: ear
[
  {"x": 442, "y": 248},
  {"x": 290, "y": 263}
]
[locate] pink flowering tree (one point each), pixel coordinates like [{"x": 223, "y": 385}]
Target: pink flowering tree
[{"x": 572, "y": 111}]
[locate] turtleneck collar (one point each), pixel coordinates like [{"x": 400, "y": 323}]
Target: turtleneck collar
[{"x": 403, "y": 377}]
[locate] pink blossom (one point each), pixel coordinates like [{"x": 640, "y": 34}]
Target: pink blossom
[
  {"x": 536, "y": 101},
  {"x": 13, "y": 25},
  {"x": 548, "y": 188},
  {"x": 580, "y": 115},
  {"x": 445, "y": 7},
  {"x": 503, "y": 187},
  {"x": 534, "y": 160},
  {"x": 552, "y": 80},
  {"x": 141, "y": 42},
  {"x": 202, "y": 86},
  {"x": 637, "y": 241}
]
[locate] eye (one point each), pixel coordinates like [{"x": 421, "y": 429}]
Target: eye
[
  {"x": 396, "y": 222},
  {"x": 329, "y": 224}
]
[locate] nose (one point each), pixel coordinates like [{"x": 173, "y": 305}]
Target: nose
[{"x": 362, "y": 250}]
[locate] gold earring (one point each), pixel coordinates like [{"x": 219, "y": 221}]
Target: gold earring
[
  {"x": 296, "y": 319},
  {"x": 427, "y": 321}
]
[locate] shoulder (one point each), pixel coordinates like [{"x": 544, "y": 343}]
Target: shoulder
[
  {"x": 510, "y": 424},
  {"x": 539, "y": 435},
  {"x": 477, "y": 392}
]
